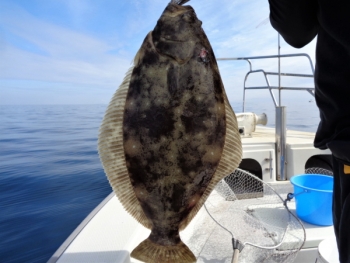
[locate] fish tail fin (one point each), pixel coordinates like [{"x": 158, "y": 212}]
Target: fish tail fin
[{"x": 147, "y": 251}]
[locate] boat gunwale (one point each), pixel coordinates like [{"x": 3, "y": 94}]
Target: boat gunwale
[{"x": 60, "y": 251}]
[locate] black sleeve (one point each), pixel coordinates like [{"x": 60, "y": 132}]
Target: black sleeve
[{"x": 295, "y": 20}]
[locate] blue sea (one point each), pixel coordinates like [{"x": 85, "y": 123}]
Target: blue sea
[{"x": 51, "y": 177}]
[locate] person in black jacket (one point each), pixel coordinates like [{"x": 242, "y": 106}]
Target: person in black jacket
[{"x": 299, "y": 21}]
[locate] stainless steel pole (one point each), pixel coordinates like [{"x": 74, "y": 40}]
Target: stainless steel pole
[
  {"x": 281, "y": 129},
  {"x": 281, "y": 135},
  {"x": 279, "y": 72}
]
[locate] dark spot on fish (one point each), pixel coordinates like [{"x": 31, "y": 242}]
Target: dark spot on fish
[
  {"x": 218, "y": 88},
  {"x": 186, "y": 165},
  {"x": 189, "y": 83},
  {"x": 137, "y": 172},
  {"x": 212, "y": 138},
  {"x": 160, "y": 122},
  {"x": 193, "y": 125},
  {"x": 162, "y": 236},
  {"x": 157, "y": 120},
  {"x": 178, "y": 197},
  {"x": 136, "y": 83},
  {"x": 164, "y": 147},
  {"x": 168, "y": 163},
  {"x": 175, "y": 103},
  {"x": 150, "y": 58},
  {"x": 147, "y": 210},
  {"x": 194, "y": 116},
  {"x": 172, "y": 80}
]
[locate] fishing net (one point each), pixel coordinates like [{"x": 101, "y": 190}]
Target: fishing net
[
  {"x": 250, "y": 214},
  {"x": 318, "y": 170}
]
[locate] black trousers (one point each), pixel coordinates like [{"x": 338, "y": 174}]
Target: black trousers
[{"x": 341, "y": 209}]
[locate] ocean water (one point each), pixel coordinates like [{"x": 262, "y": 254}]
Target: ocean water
[{"x": 51, "y": 177}]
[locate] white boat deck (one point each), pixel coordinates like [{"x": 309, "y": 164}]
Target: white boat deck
[
  {"x": 267, "y": 135},
  {"x": 109, "y": 233}
]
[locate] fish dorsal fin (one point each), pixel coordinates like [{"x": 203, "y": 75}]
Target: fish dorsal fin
[
  {"x": 230, "y": 159},
  {"x": 111, "y": 151}
]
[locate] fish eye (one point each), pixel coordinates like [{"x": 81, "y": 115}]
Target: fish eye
[
  {"x": 171, "y": 8},
  {"x": 189, "y": 16}
]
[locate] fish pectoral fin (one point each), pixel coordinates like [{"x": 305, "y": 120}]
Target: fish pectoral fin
[{"x": 150, "y": 252}]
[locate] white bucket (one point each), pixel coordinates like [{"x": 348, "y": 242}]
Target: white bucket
[{"x": 328, "y": 251}]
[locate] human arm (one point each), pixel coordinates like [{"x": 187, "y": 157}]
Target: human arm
[{"x": 295, "y": 20}]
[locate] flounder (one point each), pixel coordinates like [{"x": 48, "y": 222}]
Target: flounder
[{"x": 169, "y": 133}]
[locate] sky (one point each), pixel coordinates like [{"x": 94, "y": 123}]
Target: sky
[{"x": 78, "y": 51}]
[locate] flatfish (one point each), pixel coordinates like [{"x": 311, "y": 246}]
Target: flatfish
[{"x": 169, "y": 134}]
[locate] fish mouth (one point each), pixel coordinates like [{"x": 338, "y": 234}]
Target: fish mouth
[{"x": 169, "y": 39}]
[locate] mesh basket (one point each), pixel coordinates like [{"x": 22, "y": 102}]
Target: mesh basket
[
  {"x": 247, "y": 209},
  {"x": 318, "y": 170}
]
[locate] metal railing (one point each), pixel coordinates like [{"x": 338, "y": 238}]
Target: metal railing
[
  {"x": 279, "y": 74},
  {"x": 281, "y": 129}
]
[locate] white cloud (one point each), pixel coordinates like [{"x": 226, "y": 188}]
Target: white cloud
[
  {"x": 242, "y": 29},
  {"x": 25, "y": 65},
  {"x": 68, "y": 56},
  {"x": 63, "y": 55},
  {"x": 79, "y": 9}
]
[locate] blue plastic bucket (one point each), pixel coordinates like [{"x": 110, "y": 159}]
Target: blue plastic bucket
[{"x": 313, "y": 197}]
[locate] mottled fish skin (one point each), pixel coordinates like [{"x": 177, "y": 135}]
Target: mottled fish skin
[
  {"x": 174, "y": 122},
  {"x": 174, "y": 131},
  {"x": 172, "y": 139}
]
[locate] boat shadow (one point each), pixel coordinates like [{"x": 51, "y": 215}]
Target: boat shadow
[{"x": 120, "y": 256}]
